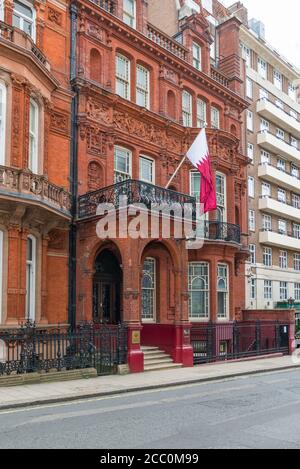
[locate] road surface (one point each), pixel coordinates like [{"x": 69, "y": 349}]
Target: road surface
[{"x": 261, "y": 411}]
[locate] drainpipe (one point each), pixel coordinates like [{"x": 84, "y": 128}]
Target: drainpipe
[{"x": 73, "y": 170}]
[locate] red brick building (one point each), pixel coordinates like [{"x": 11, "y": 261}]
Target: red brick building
[
  {"x": 35, "y": 108},
  {"x": 142, "y": 96}
]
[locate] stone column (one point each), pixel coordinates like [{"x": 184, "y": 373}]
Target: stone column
[{"x": 8, "y": 11}]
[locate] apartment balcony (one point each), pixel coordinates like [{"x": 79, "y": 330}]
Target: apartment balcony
[
  {"x": 280, "y": 209},
  {"x": 154, "y": 198},
  {"x": 280, "y": 240},
  {"x": 23, "y": 187},
  {"x": 17, "y": 40},
  {"x": 273, "y": 144},
  {"x": 276, "y": 176},
  {"x": 273, "y": 113}
]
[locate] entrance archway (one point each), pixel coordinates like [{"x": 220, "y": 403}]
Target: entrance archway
[{"x": 107, "y": 288}]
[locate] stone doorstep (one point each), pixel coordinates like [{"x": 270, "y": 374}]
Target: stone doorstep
[{"x": 37, "y": 378}]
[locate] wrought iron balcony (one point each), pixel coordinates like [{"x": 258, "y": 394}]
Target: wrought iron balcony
[{"x": 138, "y": 192}]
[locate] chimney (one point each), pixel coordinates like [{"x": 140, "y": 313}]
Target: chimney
[{"x": 239, "y": 11}]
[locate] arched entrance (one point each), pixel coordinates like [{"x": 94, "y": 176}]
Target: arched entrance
[{"x": 107, "y": 288}]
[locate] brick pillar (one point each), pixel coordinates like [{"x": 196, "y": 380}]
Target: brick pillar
[
  {"x": 13, "y": 233},
  {"x": 40, "y": 23},
  {"x": 213, "y": 291},
  {"x": 132, "y": 304},
  {"x": 8, "y": 11},
  {"x": 44, "y": 276},
  {"x": 22, "y": 273}
]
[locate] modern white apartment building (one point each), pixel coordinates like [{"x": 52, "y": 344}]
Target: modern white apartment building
[{"x": 273, "y": 141}]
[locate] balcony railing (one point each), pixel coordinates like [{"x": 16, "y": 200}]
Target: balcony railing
[
  {"x": 22, "y": 183},
  {"x": 219, "y": 77},
  {"x": 137, "y": 192},
  {"x": 166, "y": 42},
  {"x": 289, "y": 234},
  {"x": 108, "y": 5},
  {"x": 21, "y": 39},
  {"x": 154, "y": 197}
]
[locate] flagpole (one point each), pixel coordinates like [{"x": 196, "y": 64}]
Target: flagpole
[{"x": 175, "y": 174}]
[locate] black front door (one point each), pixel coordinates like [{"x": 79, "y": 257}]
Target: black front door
[{"x": 107, "y": 289}]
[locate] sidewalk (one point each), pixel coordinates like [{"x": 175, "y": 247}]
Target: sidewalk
[{"x": 36, "y": 394}]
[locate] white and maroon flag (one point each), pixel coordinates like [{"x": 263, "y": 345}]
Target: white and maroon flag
[{"x": 198, "y": 154}]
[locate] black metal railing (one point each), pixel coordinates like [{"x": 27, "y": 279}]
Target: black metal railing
[
  {"x": 30, "y": 349},
  {"x": 154, "y": 198},
  {"x": 213, "y": 342},
  {"x": 136, "y": 192}
]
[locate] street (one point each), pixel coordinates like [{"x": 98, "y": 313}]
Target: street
[{"x": 251, "y": 412}]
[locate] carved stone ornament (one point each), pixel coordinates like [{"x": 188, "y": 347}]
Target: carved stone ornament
[{"x": 54, "y": 16}]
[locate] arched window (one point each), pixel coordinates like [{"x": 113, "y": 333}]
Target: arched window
[
  {"x": 95, "y": 65},
  {"x": 24, "y": 16},
  {"x": 142, "y": 86},
  {"x": 201, "y": 113},
  {"x": 33, "y": 136},
  {"x": 3, "y": 99},
  {"x": 187, "y": 109},
  {"x": 149, "y": 290},
  {"x": 123, "y": 76},
  {"x": 1, "y": 274},
  {"x": 31, "y": 277},
  {"x": 223, "y": 291},
  {"x": 171, "y": 105},
  {"x": 199, "y": 290}
]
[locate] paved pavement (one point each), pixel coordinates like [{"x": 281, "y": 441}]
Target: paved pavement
[
  {"x": 35, "y": 394},
  {"x": 261, "y": 411}
]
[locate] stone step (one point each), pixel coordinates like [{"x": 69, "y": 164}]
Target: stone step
[
  {"x": 150, "y": 349},
  {"x": 170, "y": 366},
  {"x": 158, "y": 361},
  {"x": 154, "y": 353},
  {"x": 157, "y": 357}
]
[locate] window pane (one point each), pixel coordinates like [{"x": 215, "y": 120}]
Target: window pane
[{"x": 23, "y": 9}]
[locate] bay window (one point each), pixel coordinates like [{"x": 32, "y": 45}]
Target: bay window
[
  {"x": 198, "y": 291},
  {"x": 24, "y": 16}
]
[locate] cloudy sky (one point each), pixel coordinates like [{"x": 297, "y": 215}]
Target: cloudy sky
[{"x": 281, "y": 19}]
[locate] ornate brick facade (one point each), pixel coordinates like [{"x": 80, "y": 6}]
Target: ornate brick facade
[{"x": 34, "y": 197}]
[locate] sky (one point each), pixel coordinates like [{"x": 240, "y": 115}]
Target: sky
[{"x": 282, "y": 22}]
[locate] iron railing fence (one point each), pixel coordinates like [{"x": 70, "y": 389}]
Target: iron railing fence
[
  {"x": 31, "y": 349},
  {"x": 213, "y": 342}
]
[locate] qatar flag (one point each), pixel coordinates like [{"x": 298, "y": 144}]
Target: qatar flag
[{"x": 198, "y": 154}]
